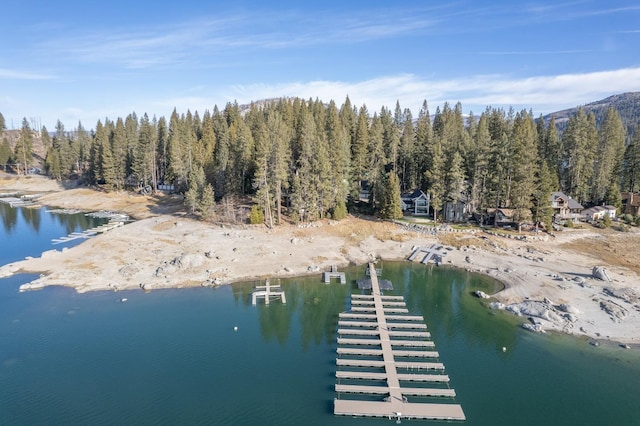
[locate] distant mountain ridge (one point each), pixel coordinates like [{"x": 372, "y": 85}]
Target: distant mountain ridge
[{"x": 627, "y": 105}]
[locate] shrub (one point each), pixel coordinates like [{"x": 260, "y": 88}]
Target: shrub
[
  {"x": 256, "y": 217},
  {"x": 340, "y": 211},
  {"x": 627, "y": 218},
  {"x": 606, "y": 222}
]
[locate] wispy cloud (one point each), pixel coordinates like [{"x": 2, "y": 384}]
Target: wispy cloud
[
  {"x": 533, "y": 52},
  {"x": 543, "y": 94},
  {"x": 190, "y": 41},
  {"x": 8, "y": 74}
]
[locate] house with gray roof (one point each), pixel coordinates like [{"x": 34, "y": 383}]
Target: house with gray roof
[
  {"x": 416, "y": 203},
  {"x": 595, "y": 213},
  {"x": 565, "y": 208}
]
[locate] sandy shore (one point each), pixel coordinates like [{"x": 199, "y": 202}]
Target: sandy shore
[{"x": 548, "y": 280}]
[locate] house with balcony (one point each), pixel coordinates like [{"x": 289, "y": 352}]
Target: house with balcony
[
  {"x": 565, "y": 208},
  {"x": 416, "y": 203}
]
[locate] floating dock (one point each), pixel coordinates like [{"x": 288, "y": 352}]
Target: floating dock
[
  {"x": 334, "y": 273},
  {"x": 371, "y": 356},
  {"x": 115, "y": 220},
  {"x": 14, "y": 201},
  {"x": 88, "y": 233},
  {"x": 267, "y": 292}
]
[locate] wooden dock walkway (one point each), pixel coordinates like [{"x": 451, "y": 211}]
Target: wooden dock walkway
[{"x": 372, "y": 335}]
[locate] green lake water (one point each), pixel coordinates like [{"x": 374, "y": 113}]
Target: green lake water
[{"x": 172, "y": 357}]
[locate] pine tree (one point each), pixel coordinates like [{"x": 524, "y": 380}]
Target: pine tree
[
  {"x": 178, "y": 166},
  {"x": 199, "y": 198},
  {"x": 359, "y": 149},
  {"x": 613, "y": 197},
  {"x": 3, "y": 125},
  {"x": 407, "y": 154},
  {"x": 163, "y": 149},
  {"x": 434, "y": 176},
  {"x": 391, "y": 138},
  {"x": 106, "y": 138},
  {"x": 221, "y": 155},
  {"x": 479, "y": 165},
  {"x": 455, "y": 178},
  {"x": 579, "y": 142},
  {"x": 390, "y": 203},
  {"x": 376, "y": 156},
  {"x": 262, "y": 196},
  {"x": 83, "y": 142},
  {"x": 424, "y": 137},
  {"x": 500, "y": 160},
  {"x": 45, "y": 137},
  {"x": 242, "y": 149},
  {"x": 339, "y": 146},
  {"x": 305, "y": 195},
  {"x": 609, "y": 154},
  {"x": 553, "y": 151},
  {"x": 117, "y": 164},
  {"x": 6, "y": 153},
  {"x": 131, "y": 127},
  {"x": 631, "y": 166},
  {"x": 545, "y": 186},
  {"x": 62, "y": 144},
  {"x": 100, "y": 144},
  {"x": 272, "y": 161},
  {"x": 525, "y": 150},
  {"x": 143, "y": 164},
  {"x": 23, "y": 152}
]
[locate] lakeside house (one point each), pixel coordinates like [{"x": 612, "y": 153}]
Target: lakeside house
[
  {"x": 456, "y": 211},
  {"x": 630, "y": 203},
  {"x": 416, "y": 203},
  {"x": 565, "y": 208},
  {"x": 500, "y": 217},
  {"x": 599, "y": 212}
]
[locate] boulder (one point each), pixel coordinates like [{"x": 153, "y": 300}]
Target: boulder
[
  {"x": 186, "y": 261},
  {"x": 568, "y": 308},
  {"x": 128, "y": 270},
  {"x": 497, "y": 305},
  {"x": 481, "y": 294},
  {"x": 534, "y": 309},
  {"x": 600, "y": 272},
  {"x": 533, "y": 328}
]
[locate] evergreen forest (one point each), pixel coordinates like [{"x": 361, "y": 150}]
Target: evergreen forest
[{"x": 307, "y": 160}]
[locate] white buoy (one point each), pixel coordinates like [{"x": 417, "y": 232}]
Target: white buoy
[
  {"x": 124, "y": 299},
  {"x": 235, "y": 328},
  {"x": 504, "y": 349}
]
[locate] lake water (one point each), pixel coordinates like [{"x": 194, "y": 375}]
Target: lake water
[{"x": 172, "y": 356}]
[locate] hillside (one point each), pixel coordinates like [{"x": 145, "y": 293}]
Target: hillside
[{"x": 627, "y": 105}]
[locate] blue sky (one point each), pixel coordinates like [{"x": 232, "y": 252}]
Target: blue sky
[{"x": 87, "y": 60}]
